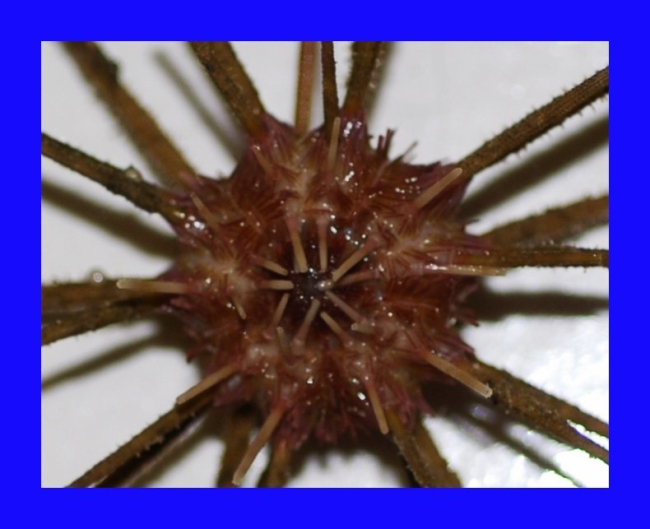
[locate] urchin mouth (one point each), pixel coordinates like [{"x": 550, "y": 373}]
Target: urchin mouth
[
  {"x": 308, "y": 286},
  {"x": 308, "y": 291}
]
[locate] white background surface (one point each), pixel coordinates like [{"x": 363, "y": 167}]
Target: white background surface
[{"x": 447, "y": 97}]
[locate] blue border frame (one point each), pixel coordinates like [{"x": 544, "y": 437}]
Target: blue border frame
[{"x": 332, "y": 507}]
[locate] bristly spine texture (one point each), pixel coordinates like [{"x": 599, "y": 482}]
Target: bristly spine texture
[
  {"x": 325, "y": 274},
  {"x": 308, "y": 276}
]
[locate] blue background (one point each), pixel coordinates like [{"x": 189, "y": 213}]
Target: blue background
[{"x": 223, "y": 508}]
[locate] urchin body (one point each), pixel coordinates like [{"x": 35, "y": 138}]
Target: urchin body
[
  {"x": 421, "y": 149},
  {"x": 322, "y": 276}
]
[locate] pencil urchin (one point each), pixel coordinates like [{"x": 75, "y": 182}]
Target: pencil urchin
[{"x": 508, "y": 330}]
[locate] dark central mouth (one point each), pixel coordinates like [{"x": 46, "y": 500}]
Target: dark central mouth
[{"x": 307, "y": 287}]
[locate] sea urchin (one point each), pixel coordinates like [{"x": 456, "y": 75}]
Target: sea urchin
[{"x": 324, "y": 278}]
